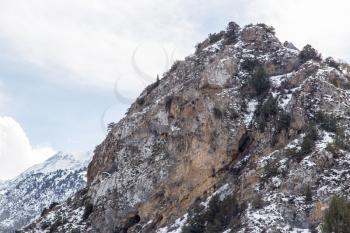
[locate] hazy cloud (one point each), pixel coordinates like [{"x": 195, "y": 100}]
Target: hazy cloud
[{"x": 16, "y": 152}]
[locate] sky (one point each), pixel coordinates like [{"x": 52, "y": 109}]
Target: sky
[{"x": 68, "y": 68}]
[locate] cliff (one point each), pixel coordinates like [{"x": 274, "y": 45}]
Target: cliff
[{"x": 245, "y": 120}]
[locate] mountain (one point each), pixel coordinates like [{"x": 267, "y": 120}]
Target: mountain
[
  {"x": 23, "y": 198},
  {"x": 248, "y": 134}
]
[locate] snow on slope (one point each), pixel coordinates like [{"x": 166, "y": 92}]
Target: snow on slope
[
  {"x": 23, "y": 198},
  {"x": 60, "y": 161}
]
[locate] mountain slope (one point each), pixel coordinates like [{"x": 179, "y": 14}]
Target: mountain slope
[
  {"x": 246, "y": 135},
  {"x": 23, "y": 198}
]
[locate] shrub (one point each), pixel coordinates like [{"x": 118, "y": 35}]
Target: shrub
[
  {"x": 283, "y": 122},
  {"x": 270, "y": 170},
  {"x": 140, "y": 101},
  {"x": 258, "y": 202},
  {"x": 232, "y": 28},
  {"x": 292, "y": 152},
  {"x": 327, "y": 122},
  {"x": 231, "y": 113},
  {"x": 337, "y": 217},
  {"x": 88, "y": 210},
  {"x": 309, "y": 53},
  {"x": 249, "y": 64},
  {"x": 215, "y": 218},
  {"x": 220, "y": 212},
  {"x": 217, "y": 113},
  {"x": 308, "y": 194},
  {"x": 174, "y": 66},
  {"x": 198, "y": 47},
  {"x": 332, "y": 63},
  {"x": 260, "y": 82},
  {"x": 332, "y": 148},
  {"x": 196, "y": 221},
  {"x": 231, "y": 33},
  {"x": 153, "y": 86},
  {"x": 111, "y": 126},
  {"x": 307, "y": 144},
  {"x": 215, "y": 37},
  {"x": 269, "y": 108},
  {"x": 266, "y": 111},
  {"x": 268, "y": 29},
  {"x": 342, "y": 141}
]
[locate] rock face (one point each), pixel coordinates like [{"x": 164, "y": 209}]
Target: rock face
[
  {"x": 23, "y": 198},
  {"x": 245, "y": 116}
]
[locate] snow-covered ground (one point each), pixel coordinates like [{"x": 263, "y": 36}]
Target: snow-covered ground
[{"x": 23, "y": 198}]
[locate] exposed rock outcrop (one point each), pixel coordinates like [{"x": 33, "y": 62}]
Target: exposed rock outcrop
[{"x": 240, "y": 117}]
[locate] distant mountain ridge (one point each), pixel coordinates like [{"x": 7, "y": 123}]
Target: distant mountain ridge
[{"x": 23, "y": 198}]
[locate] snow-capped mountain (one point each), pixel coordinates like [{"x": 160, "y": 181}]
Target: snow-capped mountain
[{"x": 24, "y": 198}]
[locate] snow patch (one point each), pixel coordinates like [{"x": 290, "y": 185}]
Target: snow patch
[
  {"x": 284, "y": 101},
  {"x": 277, "y": 80},
  {"x": 251, "y": 107},
  {"x": 163, "y": 118},
  {"x": 326, "y": 139},
  {"x": 223, "y": 191},
  {"x": 61, "y": 161},
  {"x": 176, "y": 227}
]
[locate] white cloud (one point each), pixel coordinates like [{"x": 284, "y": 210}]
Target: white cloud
[
  {"x": 323, "y": 24},
  {"x": 16, "y": 153},
  {"x": 92, "y": 42}
]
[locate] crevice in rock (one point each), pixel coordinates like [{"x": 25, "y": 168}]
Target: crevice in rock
[
  {"x": 130, "y": 222},
  {"x": 133, "y": 221},
  {"x": 244, "y": 142}
]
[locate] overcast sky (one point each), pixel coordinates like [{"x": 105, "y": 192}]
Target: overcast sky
[{"x": 68, "y": 67}]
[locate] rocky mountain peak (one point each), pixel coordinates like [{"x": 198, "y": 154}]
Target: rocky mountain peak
[
  {"x": 24, "y": 198},
  {"x": 248, "y": 134}
]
